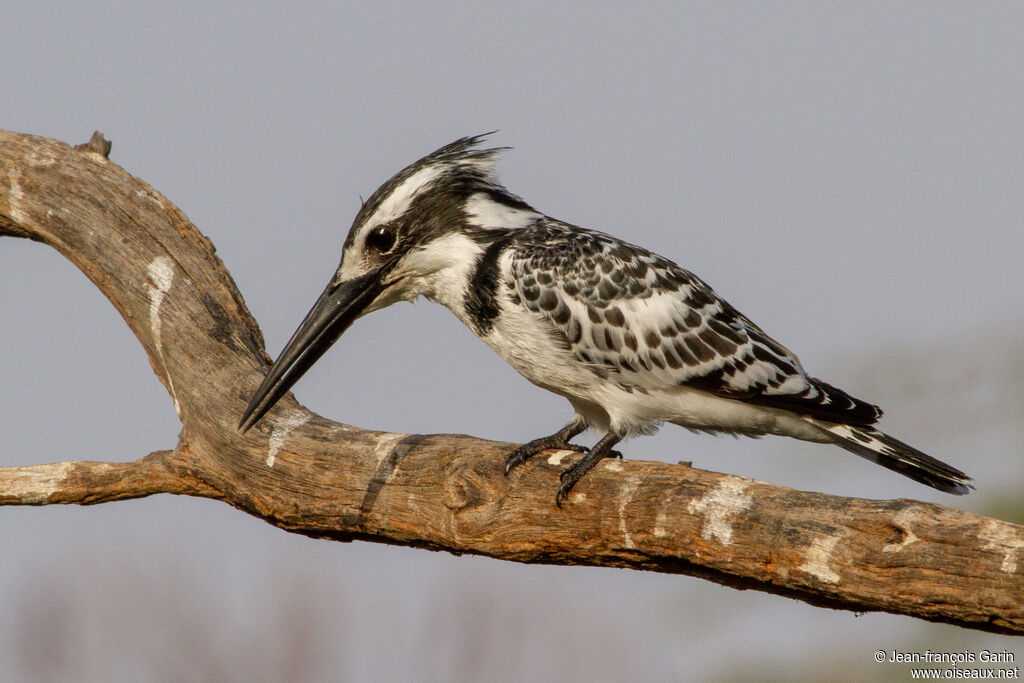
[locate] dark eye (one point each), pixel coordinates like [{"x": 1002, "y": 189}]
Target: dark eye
[{"x": 381, "y": 239}]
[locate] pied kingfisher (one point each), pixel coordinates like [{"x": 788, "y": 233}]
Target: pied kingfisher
[{"x": 629, "y": 337}]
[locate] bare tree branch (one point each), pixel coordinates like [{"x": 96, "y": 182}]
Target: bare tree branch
[
  {"x": 87, "y": 483},
  {"x": 309, "y": 475}
]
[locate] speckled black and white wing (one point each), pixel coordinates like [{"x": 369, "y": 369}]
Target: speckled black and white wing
[{"x": 641, "y": 321}]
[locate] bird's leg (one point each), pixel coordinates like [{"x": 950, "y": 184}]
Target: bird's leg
[
  {"x": 602, "y": 449},
  {"x": 558, "y": 440}
]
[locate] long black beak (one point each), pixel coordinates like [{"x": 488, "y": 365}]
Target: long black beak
[{"x": 333, "y": 312}]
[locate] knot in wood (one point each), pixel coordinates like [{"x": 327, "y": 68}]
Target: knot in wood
[{"x": 461, "y": 491}]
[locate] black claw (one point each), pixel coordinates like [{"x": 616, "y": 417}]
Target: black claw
[
  {"x": 528, "y": 450},
  {"x": 516, "y": 458},
  {"x": 572, "y": 474},
  {"x": 560, "y": 441},
  {"x": 557, "y": 441}
]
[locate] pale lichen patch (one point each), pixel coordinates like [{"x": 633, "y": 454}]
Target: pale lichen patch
[
  {"x": 659, "y": 522},
  {"x": 148, "y": 194},
  {"x": 387, "y": 458},
  {"x": 719, "y": 506},
  {"x": 161, "y": 276},
  {"x": 557, "y": 457},
  {"x": 35, "y": 484},
  {"x": 902, "y": 521},
  {"x": 282, "y": 428},
  {"x": 387, "y": 443},
  {"x": 41, "y": 158},
  {"x": 625, "y": 497},
  {"x": 1002, "y": 537},
  {"x": 662, "y": 517},
  {"x": 15, "y": 197},
  {"x": 817, "y": 557}
]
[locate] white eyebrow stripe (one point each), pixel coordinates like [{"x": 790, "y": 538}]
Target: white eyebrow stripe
[{"x": 398, "y": 202}]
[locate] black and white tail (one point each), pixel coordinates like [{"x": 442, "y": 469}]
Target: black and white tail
[{"x": 879, "y": 447}]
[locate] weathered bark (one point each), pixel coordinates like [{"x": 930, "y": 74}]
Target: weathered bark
[{"x": 309, "y": 475}]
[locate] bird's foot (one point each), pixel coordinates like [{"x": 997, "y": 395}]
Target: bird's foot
[
  {"x": 572, "y": 474},
  {"x": 545, "y": 443}
]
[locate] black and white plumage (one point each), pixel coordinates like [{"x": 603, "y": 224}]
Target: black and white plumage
[{"x": 628, "y": 337}]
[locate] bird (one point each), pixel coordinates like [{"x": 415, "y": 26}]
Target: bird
[{"x": 630, "y": 338}]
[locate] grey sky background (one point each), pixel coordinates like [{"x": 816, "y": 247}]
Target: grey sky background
[{"x": 848, "y": 175}]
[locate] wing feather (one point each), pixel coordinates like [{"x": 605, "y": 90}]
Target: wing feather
[{"x": 642, "y": 321}]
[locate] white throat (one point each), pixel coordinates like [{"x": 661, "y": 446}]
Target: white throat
[{"x": 440, "y": 271}]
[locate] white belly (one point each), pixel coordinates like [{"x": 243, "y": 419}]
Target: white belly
[{"x": 522, "y": 341}]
